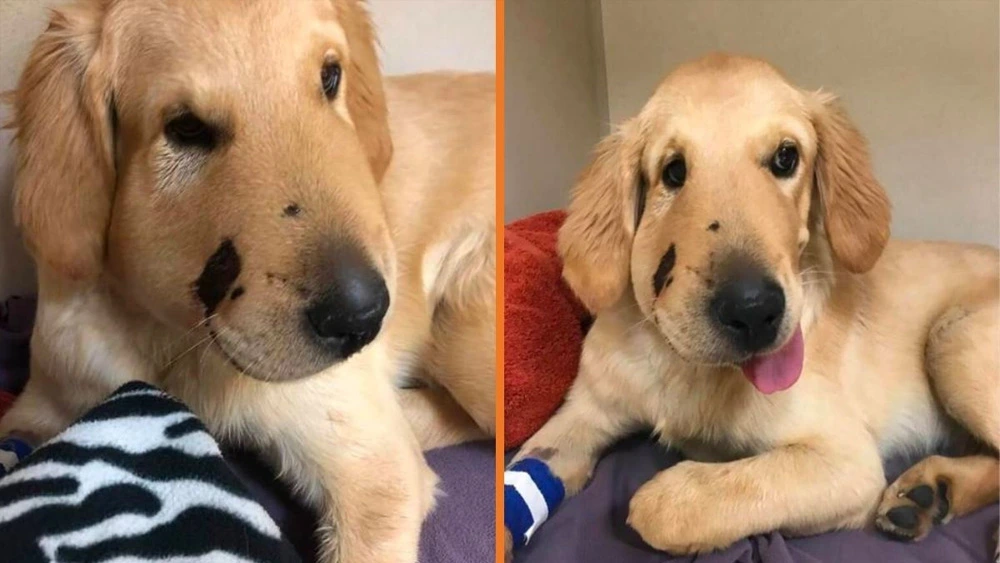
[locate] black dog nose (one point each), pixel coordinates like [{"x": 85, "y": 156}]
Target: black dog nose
[
  {"x": 749, "y": 308},
  {"x": 348, "y": 315}
]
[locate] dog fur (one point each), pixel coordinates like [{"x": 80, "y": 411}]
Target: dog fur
[
  {"x": 189, "y": 269},
  {"x": 901, "y": 338}
]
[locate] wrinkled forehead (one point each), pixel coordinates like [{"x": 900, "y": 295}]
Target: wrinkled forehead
[
  {"x": 177, "y": 48},
  {"x": 727, "y": 110}
]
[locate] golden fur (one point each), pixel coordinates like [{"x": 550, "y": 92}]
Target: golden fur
[
  {"x": 901, "y": 338},
  {"x": 121, "y": 222}
]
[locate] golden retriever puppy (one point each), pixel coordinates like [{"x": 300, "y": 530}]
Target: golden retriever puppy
[
  {"x": 225, "y": 199},
  {"x": 734, "y": 243}
]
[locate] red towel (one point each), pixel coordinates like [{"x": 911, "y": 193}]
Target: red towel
[{"x": 543, "y": 326}]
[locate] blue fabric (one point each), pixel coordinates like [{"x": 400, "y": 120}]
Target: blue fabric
[
  {"x": 551, "y": 487},
  {"x": 517, "y": 515},
  {"x": 19, "y": 448}
]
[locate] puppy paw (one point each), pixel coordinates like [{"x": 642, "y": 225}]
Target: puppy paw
[
  {"x": 508, "y": 546},
  {"x": 912, "y": 506},
  {"x": 674, "y": 513}
]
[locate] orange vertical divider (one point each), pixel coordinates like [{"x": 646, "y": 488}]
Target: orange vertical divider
[{"x": 499, "y": 441}]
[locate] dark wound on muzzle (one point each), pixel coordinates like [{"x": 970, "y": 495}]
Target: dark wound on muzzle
[
  {"x": 220, "y": 272},
  {"x": 662, "y": 278}
]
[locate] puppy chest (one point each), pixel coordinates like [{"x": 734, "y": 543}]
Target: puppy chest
[
  {"x": 915, "y": 425},
  {"x": 710, "y": 428}
]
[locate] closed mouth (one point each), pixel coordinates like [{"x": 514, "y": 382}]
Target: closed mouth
[{"x": 225, "y": 354}]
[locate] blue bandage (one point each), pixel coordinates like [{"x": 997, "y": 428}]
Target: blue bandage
[
  {"x": 12, "y": 451},
  {"x": 530, "y": 493}
]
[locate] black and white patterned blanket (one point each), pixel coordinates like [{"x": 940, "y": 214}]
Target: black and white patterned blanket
[{"x": 137, "y": 479}]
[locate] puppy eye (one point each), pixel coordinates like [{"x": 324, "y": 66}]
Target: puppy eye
[
  {"x": 785, "y": 160},
  {"x": 188, "y": 131},
  {"x": 675, "y": 172},
  {"x": 330, "y": 79}
]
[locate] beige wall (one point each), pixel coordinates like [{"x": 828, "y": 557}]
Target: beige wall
[
  {"x": 919, "y": 77},
  {"x": 419, "y": 35},
  {"x": 416, "y": 35},
  {"x": 554, "y": 106}
]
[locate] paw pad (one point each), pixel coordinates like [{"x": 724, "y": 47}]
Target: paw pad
[
  {"x": 909, "y": 514},
  {"x": 922, "y": 496},
  {"x": 905, "y": 517}
]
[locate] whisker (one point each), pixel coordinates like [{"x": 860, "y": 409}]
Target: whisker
[
  {"x": 197, "y": 325},
  {"x": 185, "y": 352},
  {"x": 204, "y": 353},
  {"x": 645, "y": 319}
]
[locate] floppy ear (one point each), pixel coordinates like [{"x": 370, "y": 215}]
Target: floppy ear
[
  {"x": 65, "y": 170},
  {"x": 595, "y": 242},
  {"x": 365, "y": 94},
  {"x": 856, "y": 210}
]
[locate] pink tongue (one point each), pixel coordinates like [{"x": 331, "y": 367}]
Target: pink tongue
[{"x": 777, "y": 371}]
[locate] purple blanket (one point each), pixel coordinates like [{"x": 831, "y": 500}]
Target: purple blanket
[
  {"x": 591, "y": 527},
  {"x": 460, "y": 530}
]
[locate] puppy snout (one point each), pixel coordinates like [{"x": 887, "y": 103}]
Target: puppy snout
[
  {"x": 348, "y": 315},
  {"x": 749, "y": 309}
]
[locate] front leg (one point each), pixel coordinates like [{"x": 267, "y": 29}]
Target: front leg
[
  {"x": 358, "y": 462},
  {"x": 571, "y": 441},
  {"x": 340, "y": 441},
  {"x": 800, "y": 488}
]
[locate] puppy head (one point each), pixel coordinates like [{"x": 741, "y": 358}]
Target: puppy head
[
  {"x": 704, "y": 204},
  {"x": 218, "y": 163}
]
